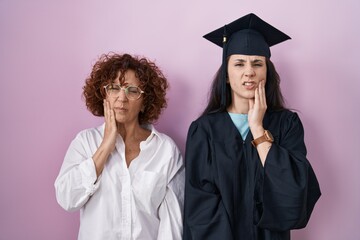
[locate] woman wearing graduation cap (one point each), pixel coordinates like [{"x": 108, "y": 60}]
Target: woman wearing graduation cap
[{"x": 247, "y": 175}]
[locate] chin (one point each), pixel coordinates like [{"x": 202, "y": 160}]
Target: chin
[
  {"x": 249, "y": 96},
  {"x": 120, "y": 120}
]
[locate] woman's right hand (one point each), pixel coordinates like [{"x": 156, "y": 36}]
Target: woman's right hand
[
  {"x": 108, "y": 143},
  {"x": 110, "y": 132}
]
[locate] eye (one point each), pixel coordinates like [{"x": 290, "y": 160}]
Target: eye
[
  {"x": 115, "y": 87},
  {"x": 133, "y": 90},
  {"x": 239, "y": 64},
  {"x": 258, "y": 63}
]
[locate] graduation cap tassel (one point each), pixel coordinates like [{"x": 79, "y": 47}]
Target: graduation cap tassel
[{"x": 224, "y": 69}]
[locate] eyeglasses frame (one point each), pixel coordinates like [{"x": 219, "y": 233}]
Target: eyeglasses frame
[{"x": 125, "y": 90}]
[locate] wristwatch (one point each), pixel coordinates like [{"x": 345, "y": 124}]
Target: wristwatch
[{"x": 267, "y": 137}]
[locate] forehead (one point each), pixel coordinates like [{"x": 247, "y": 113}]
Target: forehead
[
  {"x": 251, "y": 58},
  {"x": 128, "y": 78}
]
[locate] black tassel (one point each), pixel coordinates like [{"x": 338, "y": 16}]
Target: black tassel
[{"x": 224, "y": 71}]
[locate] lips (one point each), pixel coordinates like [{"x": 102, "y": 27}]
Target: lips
[
  {"x": 249, "y": 85},
  {"x": 120, "y": 109}
]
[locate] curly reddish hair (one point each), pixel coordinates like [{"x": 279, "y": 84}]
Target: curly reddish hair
[{"x": 105, "y": 71}]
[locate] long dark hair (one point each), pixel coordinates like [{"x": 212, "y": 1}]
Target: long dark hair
[{"x": 274, "y": 97}]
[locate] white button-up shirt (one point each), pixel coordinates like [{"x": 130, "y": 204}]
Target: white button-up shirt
[{"x": 144, "y": 201}]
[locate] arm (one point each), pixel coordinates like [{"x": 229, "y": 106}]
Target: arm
[
  {"x": 171, "y": 209},
  {"x": 289, "y": 188},
  {"x": 108, "y": 144},
  {"x": 80, "y": 173},
  {"x": 205, "y": 217},
  {"x": 257, "y": 109},
  {"x": 76, "y": 180}
]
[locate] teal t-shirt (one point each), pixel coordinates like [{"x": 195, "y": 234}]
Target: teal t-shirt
[{"x": 241, "y": 122}]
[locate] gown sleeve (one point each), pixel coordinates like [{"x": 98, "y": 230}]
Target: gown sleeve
[
  {"x": 205, "y": 217},
  {"x": 288, "y": 186},
  {"x": 77, "y": 180},
  {"x": 171, "y": 208}
]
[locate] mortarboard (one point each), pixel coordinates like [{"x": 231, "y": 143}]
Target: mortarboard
[{"x": 248, "y": 35}]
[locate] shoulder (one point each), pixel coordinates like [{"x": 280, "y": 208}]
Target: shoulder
[
  {"x": 212, "y": 125},
  {"x": 210, "y": 119},
  {"x": 164, "y": 139},
  {"x": 283, "y": 121},
  {"x": 168, "y": 150},
  {"x": 90, "y": 133},
  {"x": 86, "y": 141},
  {"x": 283, "y": 115}
]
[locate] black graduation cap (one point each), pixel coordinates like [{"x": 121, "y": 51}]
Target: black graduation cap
[{"x": 248, "y": 35}]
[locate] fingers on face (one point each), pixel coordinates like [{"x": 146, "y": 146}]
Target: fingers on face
[
  {"x": 108, "y": 113},
  {"x": 105, "y": 109},
  {"x": 256, "y": 94},
  {"x": 251, "y": 103},
  {"x": 262, "y": 97}
]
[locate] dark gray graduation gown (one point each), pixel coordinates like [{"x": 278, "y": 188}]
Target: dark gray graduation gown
[{"x": 230, "y": 195}]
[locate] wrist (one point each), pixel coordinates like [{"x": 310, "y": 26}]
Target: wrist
[
  {"x": 265, "y": 137},
  {"x": 257, "y": 131},
  {"x": 106, "y": 148}
]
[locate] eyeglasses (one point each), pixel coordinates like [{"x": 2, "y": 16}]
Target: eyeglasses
[{"x": 131, "y": 92}]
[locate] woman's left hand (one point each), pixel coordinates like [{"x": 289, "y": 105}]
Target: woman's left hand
[{"x": 257, "y": 109}]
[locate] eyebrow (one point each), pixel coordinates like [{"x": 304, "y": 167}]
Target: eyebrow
[{"x": 253, "y": 61}]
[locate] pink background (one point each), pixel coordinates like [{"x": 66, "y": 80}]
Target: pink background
[{"x": 47, "y": 50}]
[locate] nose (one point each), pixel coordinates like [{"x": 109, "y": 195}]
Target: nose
[
  {"x": 122, "y": 96},
  {"x": 249, "y": 71}
]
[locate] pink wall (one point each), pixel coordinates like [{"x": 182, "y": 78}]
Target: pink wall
[{"x": 47, "y": 49}]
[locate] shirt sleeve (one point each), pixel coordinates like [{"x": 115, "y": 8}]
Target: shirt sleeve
[
  {"x": 171, "y": 208},
  {"x": 77, "y": 179},
  {"x": 288, "y": 188},
  {"x": 205, "y": 216}
]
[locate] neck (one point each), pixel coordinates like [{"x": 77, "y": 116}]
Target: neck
[
  {"x": 239, "y": 106},
  {"x": 129, "y": 130}
]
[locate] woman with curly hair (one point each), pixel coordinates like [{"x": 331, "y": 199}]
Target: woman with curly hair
[{"x": 126, "y": 178}]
